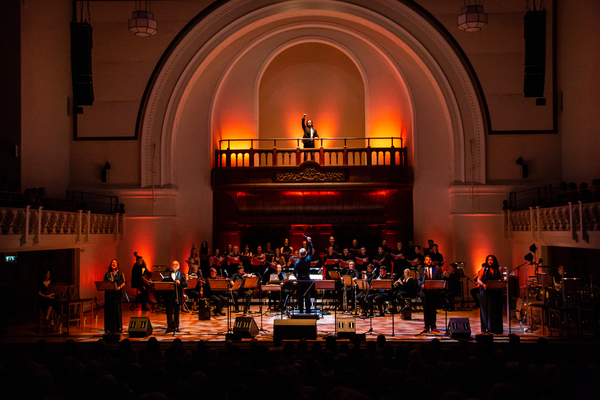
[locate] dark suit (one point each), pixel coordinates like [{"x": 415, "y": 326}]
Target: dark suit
[
  {"x": 302, "y": 274},
  {"x": 308, "y": 141},
  {"x": 429, "y": 297},
  {"x": 174, "y": 298}
]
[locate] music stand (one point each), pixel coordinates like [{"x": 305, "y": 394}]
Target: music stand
[
  {"x": 222, "y": 285},
  {"x": 436, "y": 284},
  {"x": 383, "y": 284}
]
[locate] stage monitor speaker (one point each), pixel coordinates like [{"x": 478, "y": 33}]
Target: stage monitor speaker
[
  {"x": 459, "y": 328},
  {"x": 295, "y": 329},
  {"x": 81, "y": 64},
  {"x": 535, "y": 53},
  {"x": 140, "y": 327},
  {"x": 245, "y": 326},
  {"x": 346, "y": 327}
]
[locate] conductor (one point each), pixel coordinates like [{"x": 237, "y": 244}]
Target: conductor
[
  {"x": 302, "y": 274},
  {"x": 310, "y": 134}
]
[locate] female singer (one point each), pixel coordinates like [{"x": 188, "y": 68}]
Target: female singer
[
  {"x": 113, "y": 314},
  {"x": 279, "y": 259},
  {"x": 246, "y": 258},
  {"x": 193, "y": 262},
  {"x": 490, "y": 300},
  {"x": 204, "y": 258},
  {"x": 47, "y": 301},
  {"x": 286, "y": 249}
]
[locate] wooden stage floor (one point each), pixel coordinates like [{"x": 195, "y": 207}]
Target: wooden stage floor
[{"x": 192, "y": 329}]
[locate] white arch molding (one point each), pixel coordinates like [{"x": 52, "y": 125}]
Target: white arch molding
[{"x": 209, "y": 36}]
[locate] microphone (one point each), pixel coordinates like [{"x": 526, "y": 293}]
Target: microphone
[{"x": 266, "y": 270}]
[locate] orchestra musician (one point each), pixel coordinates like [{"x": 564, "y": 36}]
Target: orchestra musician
[
  {"x": 217, "y": 298},
  {"x": 406, "y": 287},
  {"x": 174, "y": 299},
  {"x": 362, "y": 295},
  {"x": 379, "y": 296},
  {"x": 302, "y": 274},
  {"x": 452, "y": 278},
  {"x": 286, "y": 287},
  {"x": 193, "y": 262},
  {"x": 354, "y": 274},
  {"x": 113, "y": 313},
  {"x": 429, "y": 297},
  {"x": 490, "y": 301},
  {"x": 140, "y": 280},
  {"x": 242, "y": 292}
]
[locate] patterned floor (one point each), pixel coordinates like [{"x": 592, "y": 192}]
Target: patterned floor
[{"x": 193, "y": 329}]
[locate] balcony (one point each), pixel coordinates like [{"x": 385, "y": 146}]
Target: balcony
[
  {"x": 38, "y": 229},
  {"x": 345, "y": 162}
]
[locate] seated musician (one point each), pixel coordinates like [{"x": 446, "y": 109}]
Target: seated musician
[
  {"x": 242, "y": 292},
  {"x": 140, "y": 280},
  {"x": 558, "y": 277},
  {"x": 281, "y": 298},
  {"x": 452, "y": 290},
  {"x": 381, "y": 259},
  {"x": 218, "y": 298},
  {"x": 379, "y": 295},
  {"x": 352, "y": 272},
  {"x": 362, "y": 295},
  {"x": 406, "y": 287}
]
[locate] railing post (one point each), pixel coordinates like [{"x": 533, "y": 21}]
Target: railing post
[
  {"x": 573, "y": 232},
  {"x": 228, "y": 158},
  {"x": 38, "y": 230},
  {"x": 531, "y": 222},
  {"x": 25, "y": 235},
  {"x": 322, "y": 154},
  {"x": 369, "y": 155},
  {"x": 251, "y": 157},
  {"x": 79, "y": 225},
  {"x": 345, "y": 157},
  {"x": 274, "y": 156},
  {"x": 86, "y": 238},
  {"x": 298, "y": 154}
]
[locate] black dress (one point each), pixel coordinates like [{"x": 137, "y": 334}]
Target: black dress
[
  {"x": 45, "y": 302},
  {"x": 490, "y": 303},
  {"x": 113, "y": 313}
]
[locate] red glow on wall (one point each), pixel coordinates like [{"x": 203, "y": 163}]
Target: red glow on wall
[{"x": 311, "y": 193}]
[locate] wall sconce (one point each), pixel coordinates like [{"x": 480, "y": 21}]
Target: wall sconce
[
  {"x": 523, "y": 163},
  {"x": 106, "y": 168}
]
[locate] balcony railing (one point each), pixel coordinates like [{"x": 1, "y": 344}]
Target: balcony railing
[
  {"x": 578, "y": 218},
  {"x": 278, "y": 156},
  {"x": 31, "y": 225}
]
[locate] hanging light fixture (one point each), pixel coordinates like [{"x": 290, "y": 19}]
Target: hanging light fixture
[
  {"x": 142, "y": 22},
  {"x": 472, "y": 18}
]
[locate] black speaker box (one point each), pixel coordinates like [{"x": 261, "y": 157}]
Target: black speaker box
[
  {"x": 245, "y": 326},
  {"x": 535, "y": 53},
  {"x": 459, "y": 328},
  {"x": 295, "y": 329},
  {"x": 346, "y": 327},
  {"x": 81, "y": 64},
  {"x": 140, "y": 327}
]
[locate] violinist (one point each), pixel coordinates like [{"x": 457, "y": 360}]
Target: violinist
[
  {"x": 452, "y": 278},
  {"x": 140, "y": 280},
  {"x": 242, "y": 292},
  {"x": 490, "y": 301}
]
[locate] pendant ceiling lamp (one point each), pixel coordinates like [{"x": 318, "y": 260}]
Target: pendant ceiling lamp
[
  {"x": 142, "y": 22},
  {"x": 472, "y": 18}
]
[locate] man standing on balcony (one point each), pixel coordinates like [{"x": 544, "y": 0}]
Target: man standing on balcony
[{"x": 310, "y": 134}]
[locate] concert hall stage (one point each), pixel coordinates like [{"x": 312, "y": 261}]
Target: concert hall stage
[{"x": 215, "y": 329}]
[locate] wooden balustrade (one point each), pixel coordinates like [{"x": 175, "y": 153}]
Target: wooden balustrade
[{"x": 325, "y": 156}]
